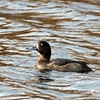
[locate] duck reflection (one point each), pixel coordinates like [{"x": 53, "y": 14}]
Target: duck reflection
[{"x": 43, "y": 76}]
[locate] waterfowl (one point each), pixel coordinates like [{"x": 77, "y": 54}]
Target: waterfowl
[{"x": 59, "y": 64}]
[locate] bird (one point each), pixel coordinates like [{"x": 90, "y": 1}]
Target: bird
[{"x": 44, "y": 63}]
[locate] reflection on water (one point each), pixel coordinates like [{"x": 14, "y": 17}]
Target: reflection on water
[{"x": 72, "y": 28}]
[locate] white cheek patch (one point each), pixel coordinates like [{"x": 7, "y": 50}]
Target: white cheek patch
[{"x": 37, "y": 46}]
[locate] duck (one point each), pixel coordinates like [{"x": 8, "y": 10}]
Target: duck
[{"x": 44, "y": 63}]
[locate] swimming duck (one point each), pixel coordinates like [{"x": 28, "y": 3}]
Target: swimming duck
[{"x": 59, "y": 64}]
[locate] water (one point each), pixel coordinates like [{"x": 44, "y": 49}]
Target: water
[{"x": 72, "y": 28}]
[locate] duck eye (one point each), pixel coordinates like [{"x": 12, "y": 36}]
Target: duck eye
[{"x": 41, "y": 44}]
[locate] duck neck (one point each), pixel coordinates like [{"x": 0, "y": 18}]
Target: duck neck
[{"x": 45, "y": 57}]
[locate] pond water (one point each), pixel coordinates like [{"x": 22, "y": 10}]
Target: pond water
[{"x": 72, "y": 27}]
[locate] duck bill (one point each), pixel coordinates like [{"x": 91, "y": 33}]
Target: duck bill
[{"x": 33, "y": 48}]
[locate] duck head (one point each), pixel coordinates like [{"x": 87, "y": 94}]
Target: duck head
[{"x": 44, "y": 49}]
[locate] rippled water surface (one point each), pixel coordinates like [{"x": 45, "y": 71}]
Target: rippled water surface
[{"x": 72, "y": 27}]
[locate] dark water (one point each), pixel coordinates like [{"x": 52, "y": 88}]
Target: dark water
[{"x": 72, "y": 27}]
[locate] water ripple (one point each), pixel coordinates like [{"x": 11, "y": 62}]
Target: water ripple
[{"x": 71, "y": 27}]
